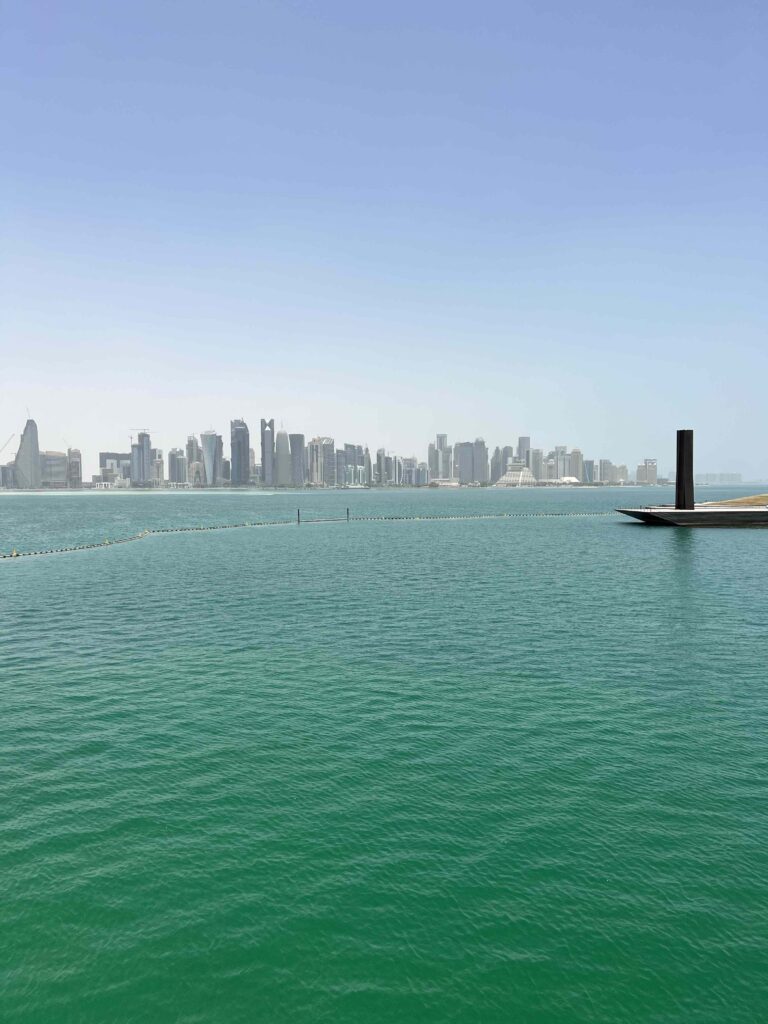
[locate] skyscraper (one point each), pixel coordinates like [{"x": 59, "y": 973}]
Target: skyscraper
[
  {"x": 322, "y": 462},
  {"x": 158, "y": 467},
  {"x": 341, "y": 467},
  {"x": 195, "y": 468},
  {"x": 283, "y": 466},
  {"x": 497, "y": 465},
  {"x": 480, "y": 461},
  {"x": 268, "y": 452},
  {"x": 444, "y": 457},
  {"x": 523, "y": 447},
  {"x": 577, "y": 464},
  {"x": 329, "y": 461},
  {"x": 27, "y": 471},
  {"x": 298, "y": 459},
  {"x": 74, "y": 468},
  {"x": 53, "y": 469},
  {"x": 381, "y": 467},
  {"x": 647, "y": 472},
  {"x": 213, "y": 453},
  {"x": 240, "y": 439},
  {"x": 463, "y": 452},
  {"x": 177, "y": 466},
  {"x": 141, "y": 461}
]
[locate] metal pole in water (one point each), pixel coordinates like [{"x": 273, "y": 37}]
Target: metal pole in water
[
  {"x": 347, "y": 515},
  {"x": 298, "y": 517}
]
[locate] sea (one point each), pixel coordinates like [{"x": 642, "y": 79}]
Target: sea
[{"x": 383, "y": 771}]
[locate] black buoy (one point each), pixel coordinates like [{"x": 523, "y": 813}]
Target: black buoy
[{"x": 684, "y": 498}]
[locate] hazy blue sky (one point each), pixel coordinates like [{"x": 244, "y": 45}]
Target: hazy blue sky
[{"x": 380, "y": 220}]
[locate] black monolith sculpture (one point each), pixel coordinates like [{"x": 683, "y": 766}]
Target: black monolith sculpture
[{"x": 684, "y": 478}]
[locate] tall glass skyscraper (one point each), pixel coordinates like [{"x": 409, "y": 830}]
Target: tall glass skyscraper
[
  {"x": 282, "y": 460},
  {"x": 268, "y": 452},
  {"x": 27, "y": 471},
  {"x": 298, "y": 459},
  {"x": 240, "y": 463},
  {"x": 141, "y": 461},
  {"x": 212, "y": 458}
]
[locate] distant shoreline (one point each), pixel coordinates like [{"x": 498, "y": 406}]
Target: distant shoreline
[{"x": 265, "y": 493}]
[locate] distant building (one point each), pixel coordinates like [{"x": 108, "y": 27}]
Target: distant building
[
  {"x": 718, "y": 479},
  {"x": 195, "y": 466},
  {"x": 647, "y": 472},
  {"x": 329, "y": 462},
  {"x": 240, "y": 440},
  {"x": 158, "y": 467},
  {"x": 517, "y": 475},
  {"x": 589, "y": 471},
  {"x": 577, "y": 465},
  {"x": 471, "y": 457},
  {"x": 480, "y": 461},
  {"x": 53, "y": 470},
  {"x": 213, "y": 455},
  {"x": 463, "y": 454},
  {"x": 74, "y": 469},
  {"x": 26, "y": 467},
  {"x": 322, "y": 462},
  {"x": 497, "y": 465},
  {"x": 523, "y": 448},
  {"x": 283, "y": 466},
  {"x": 381, "y": 467},
  {"x": 141, "y": 461},
  {"x": 440, "y": 458},
  {"x": 607, "y": 472},
  {"x": 268, "y": 452},
  {"x": 562, "y": 461},
  {"x": 298, "y": 459},
  {"x": 114, "y": 467},
  {"x": 177, "y": 466},
  {"x": 536, "y": 463}
]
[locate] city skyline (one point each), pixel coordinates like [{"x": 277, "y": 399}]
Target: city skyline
[{"x": 292, "y": 460}]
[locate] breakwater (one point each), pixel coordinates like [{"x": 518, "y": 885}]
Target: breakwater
[{"x": 297, "y": 521}]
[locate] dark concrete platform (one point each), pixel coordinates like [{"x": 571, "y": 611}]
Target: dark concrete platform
[{"x": 700, "y": 515}]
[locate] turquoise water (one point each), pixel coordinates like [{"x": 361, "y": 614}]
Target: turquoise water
[{"x": 475, "y": 771}]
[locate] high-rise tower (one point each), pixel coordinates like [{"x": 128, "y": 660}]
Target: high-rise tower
[
  {"x": 283, "y": 469},
  {"x": 212, "y": 458},
  {"x": 298, "y": 459},
  {"x": 141, "y": 461},
  {"x": 268, "y": 452},
  {"x": 27, "y": 471},
  {"x": 240, "y": 463}
]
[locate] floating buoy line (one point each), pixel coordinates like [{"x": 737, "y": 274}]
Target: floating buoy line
[{"x": 298, "y": 521}]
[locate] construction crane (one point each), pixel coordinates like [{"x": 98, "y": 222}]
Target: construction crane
[{"x": 7, "y": 443}]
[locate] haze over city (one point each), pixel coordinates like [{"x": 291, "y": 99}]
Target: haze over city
[{"x": 381, "y": 222}]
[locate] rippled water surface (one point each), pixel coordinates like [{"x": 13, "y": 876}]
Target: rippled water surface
[{"x": 476, "y": 771}]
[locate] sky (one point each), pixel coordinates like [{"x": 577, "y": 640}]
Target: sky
[{"x": 378, "y": 221}]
